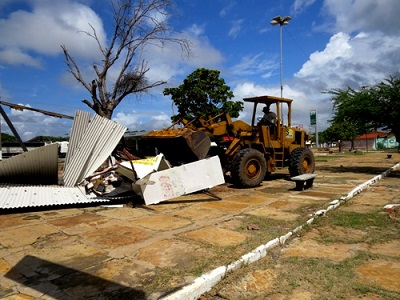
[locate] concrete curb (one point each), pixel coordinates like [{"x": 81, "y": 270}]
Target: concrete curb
[{"x": 207, "y": 281}]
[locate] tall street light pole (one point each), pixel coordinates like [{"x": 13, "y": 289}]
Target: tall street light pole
[{"x": 281, "y": 21}]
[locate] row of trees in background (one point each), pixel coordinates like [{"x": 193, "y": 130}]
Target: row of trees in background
[
  {"x": 7, "y": 138},
  {"x": 368, "y": 109}
]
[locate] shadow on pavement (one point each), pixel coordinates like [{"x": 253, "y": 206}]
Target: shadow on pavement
[
  {"x": 352, "y": 169},
  {"x": 62, "y": 282}
]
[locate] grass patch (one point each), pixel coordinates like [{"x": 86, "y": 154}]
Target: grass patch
[
  {"x": 269, "y": 229},
  {"x": 359, "y": 220},
  {"x": 325, "y": 278},
  {"x": 376, "y": 226},
  {"x": 377, "y": 293},
  {"x": 325, "y": 158},
  {"x": 354, "y": 152},
  {"x": 322, "y": 277}
]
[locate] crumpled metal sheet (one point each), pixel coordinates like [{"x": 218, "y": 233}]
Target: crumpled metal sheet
[
  {"x": 91, "y": 142},
  {"x": 19, "y": 196},
  {"x": 38, "y": 166}
]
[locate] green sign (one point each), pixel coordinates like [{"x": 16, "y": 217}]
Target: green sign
[{"x": 313, "y": 117}]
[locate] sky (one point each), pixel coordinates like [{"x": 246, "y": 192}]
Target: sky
[{"x": 328, "y": 44}]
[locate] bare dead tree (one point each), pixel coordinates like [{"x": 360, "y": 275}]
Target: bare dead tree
[{"x": 137, "y": 23}]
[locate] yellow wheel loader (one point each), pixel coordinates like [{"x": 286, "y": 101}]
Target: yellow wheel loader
[{"x": 248, "y": 151}]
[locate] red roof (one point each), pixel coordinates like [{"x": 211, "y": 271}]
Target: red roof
[{"x": 372, "y": 135}]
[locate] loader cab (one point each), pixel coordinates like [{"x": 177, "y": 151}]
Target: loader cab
[{"x": 276, "y": 104}]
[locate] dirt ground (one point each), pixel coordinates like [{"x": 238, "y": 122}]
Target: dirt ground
[{"x": 150, "y": 252}]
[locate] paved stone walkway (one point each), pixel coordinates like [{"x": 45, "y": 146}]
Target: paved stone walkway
[
  {"x": 146, "y": 252},
  {"x": 378, "y": 273}
]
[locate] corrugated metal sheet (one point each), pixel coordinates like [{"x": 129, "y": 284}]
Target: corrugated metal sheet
[
  {"x": 19, "y": 196},
  {"x": 91, "y": 142},
  {"x": 97, "y": 139},
  {"x": 81, "y": 121},
  {"x": 38, "y": 166}
]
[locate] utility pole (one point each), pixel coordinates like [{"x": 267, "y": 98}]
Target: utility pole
[{"x": 281, "y": 21}]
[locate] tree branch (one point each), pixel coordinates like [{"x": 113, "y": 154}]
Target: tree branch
[{"x": 137, "y": 23}]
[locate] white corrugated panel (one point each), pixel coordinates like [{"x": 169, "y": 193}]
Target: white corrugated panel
[
  {"x": 18, "y": 196},
  {"x": 81, "y": 121},
  {"x": 91, "y": 142},
  {"x": 96, "y": 142},
  {"x": 38, "y": 166}
]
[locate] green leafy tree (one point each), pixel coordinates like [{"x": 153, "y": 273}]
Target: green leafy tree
[
  {"x": 370, "y": 108},
  {"x": 337, "y": 132},
  {"x": 355, "y": 107},
  {"x": 7, "y": 138},
  {"x": 387, "y": 94},
  {"x": 51, "y": 139},
  {"x": 203, "y": 94}
]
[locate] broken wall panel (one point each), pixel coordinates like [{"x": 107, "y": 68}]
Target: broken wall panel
[
  {"x": 38, "y": 166},
  {"x": 181, "y": 180},
  {"x": 20, "y": 196},
  {"x": 97, "y": 141},
  {"x": 142, "y": 167}
]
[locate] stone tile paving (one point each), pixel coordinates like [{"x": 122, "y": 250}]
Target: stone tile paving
[
  {"x": 375, "y": 274},
  {"x": 146, "y": 252}
]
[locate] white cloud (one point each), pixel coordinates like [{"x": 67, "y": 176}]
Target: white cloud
[
  {"x": 250, "y": 89},
  {"x": 45, "y": 27},
  {"x": 227, "y": 9},
  {"x": 204, "y": 54},
  {"x": 14, "y": 56},
  {"x": 362, "y": 60},
  {"x": 254, "y": 65},
  {"x": 195, "y": 30},
  {"x": 135, "y": 120},
  {"x": 29, "y": 124},
  {"x": 365, "y": 15},
  {"x": 301, "y": 105},
  {"x": 168, "y": 62},
  {"x": 156, "y": 16},
  {"x": 300, "y": 5},
  {"x": 364, "y": 48},
  {"x": 338, "y": 48},
  {"x": 236, "y": 28}
]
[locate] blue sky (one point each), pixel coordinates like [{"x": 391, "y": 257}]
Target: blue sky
[{"x": 328, "y": 44}]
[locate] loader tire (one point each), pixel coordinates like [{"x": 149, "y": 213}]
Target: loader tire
[
  {"x": 301, "y": 161},
  {"x": 248, "y": 168}
]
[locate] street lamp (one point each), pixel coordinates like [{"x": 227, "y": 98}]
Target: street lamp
[{"x": 281, "y": 21}]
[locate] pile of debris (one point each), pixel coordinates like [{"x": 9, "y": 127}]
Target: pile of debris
[{"x": 96, "y": 170}]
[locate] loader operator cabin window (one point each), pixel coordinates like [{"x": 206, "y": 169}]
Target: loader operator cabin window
[{"x": 269, "y": 117}]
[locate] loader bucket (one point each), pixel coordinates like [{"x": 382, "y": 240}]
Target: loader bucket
[{"x": 179, "y": 146}]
